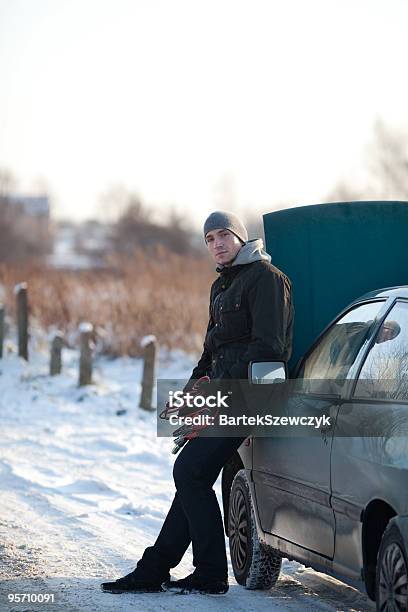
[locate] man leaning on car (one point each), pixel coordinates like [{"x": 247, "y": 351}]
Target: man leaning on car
[{"x": 250, "y": 318}]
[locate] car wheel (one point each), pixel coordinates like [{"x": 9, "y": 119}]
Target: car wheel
[
  {"x": 255, "y": 567},
  {"x": 392, "y": 572}
]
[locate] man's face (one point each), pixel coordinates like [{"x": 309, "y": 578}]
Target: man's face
[
  {"x": 223, "y": 245},
  {"x": 388, "y": 331}
]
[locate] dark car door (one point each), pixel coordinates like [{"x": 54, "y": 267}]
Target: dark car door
[
  {"x": 291, "y": 474},
  {"x": 371, "y": 440}
]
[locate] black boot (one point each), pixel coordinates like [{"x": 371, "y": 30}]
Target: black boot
[
  {"x": 133, "y": 583},
  {"x": 196, "y": 584}
]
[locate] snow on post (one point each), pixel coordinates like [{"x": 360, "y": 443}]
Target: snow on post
[
  {"x": 20, "y": 291},
  {"x": 85, "y": 360},
  {"x": 19, "y": 287},
  {"x": 85, "y": 328},
  {"x": 149, "y": 345},
  {"x": 57, "y": 342},
  {"x": 147, "y": 340},
  {"x": 1, "y": 329}
]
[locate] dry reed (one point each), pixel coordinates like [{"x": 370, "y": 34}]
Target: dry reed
[{"x": 159, "y": 293}]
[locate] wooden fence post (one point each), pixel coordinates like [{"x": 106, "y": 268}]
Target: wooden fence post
[
  {"x": 149, "y": 344},
  {"x": 56, "y": 348},
  {"x": 22, "y": 319},
  {"x": 85, "y": 360},
  {"x": 1, "y": 330}
]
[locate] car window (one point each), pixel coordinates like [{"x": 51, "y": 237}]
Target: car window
[
  {"x": 326, "y": 367},
  {"x": 384, "y": 374}
]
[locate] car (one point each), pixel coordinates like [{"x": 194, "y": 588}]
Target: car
[{"x": 337, "y": 501}]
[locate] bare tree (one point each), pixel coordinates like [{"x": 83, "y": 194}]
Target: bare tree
[
  {"x": 387, "y": 169},
  {"x": 21, "y": 235},
  {"x": 254, "y": 224},
  {"x": 388, "y": 162},
  {"x": 344, "y": 192},
  {"x": 136, "y": 228},
  {"x": 8, "y": 215},
  {"x": 115, "y": 201}
]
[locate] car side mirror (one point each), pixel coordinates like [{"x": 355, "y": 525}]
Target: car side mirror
[{"x": 267, "y": 372}]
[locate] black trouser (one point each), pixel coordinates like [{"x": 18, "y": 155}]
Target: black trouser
[{"x": 194, "y": 515}]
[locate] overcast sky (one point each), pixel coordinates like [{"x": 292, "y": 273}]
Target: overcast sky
[{"x": 269, "y": 101}]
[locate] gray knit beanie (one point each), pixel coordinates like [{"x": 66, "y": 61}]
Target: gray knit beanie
[{"x": 221, "y": 219}]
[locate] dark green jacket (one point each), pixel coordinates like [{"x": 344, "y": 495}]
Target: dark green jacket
[{"x": 250, "y": 316}]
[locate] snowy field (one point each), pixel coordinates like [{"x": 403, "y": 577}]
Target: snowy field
[{"x": 83, "y": 490}]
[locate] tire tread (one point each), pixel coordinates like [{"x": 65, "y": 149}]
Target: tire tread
[{"x": 265, "y": 565}]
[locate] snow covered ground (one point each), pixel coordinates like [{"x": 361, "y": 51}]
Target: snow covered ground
[{"x": 83, "y": 490}]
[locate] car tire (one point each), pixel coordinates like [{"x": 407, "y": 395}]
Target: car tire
[
  {"x": 392, "y": 572},
  {"x": 254, "y": 566}
]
